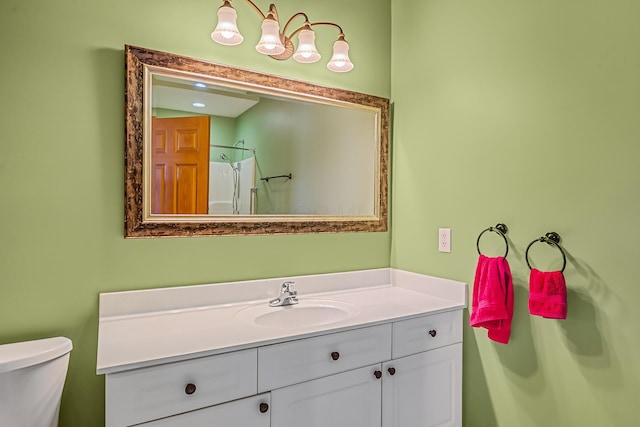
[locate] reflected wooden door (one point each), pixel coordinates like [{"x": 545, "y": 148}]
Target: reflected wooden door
[{"x": 180, "y": 158}]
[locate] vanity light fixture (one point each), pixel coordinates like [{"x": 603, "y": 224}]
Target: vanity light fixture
[{"x": 276, "y": 44}]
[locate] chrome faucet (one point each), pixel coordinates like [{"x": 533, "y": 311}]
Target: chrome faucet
[{"x": 287, "y": 296}]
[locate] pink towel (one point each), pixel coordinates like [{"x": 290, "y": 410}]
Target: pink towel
[
  {"x": 492, "y": 301},
  {"x": 547, "y": 294}
]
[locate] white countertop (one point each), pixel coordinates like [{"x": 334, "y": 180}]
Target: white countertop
[{"x": 149, "y": 327}]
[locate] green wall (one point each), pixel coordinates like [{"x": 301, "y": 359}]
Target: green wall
[
  {"x": 527, "y": 113},
  {"x": 62, "y": 168},
  {"x": 520, "y": 112}
]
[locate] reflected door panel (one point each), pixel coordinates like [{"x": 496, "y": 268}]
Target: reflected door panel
[{"x": 180, "y": 157}]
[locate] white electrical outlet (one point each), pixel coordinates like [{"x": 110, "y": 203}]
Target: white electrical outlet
[{"x": 444, "y": 240}]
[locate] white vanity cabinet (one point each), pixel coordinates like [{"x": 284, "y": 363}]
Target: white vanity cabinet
[
  {"x": 399, "y": 374},
  {"x": 370, "y": 348}
]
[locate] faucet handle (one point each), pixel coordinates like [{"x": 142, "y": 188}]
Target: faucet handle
[{"x": 286, "y": 286}]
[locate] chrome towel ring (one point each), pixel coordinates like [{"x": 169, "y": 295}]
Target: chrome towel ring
[
  {"x": 551, "y": 238},
  {"x": 500, "y": 229}
]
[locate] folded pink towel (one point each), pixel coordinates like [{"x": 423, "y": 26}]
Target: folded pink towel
[
  {"x": 547, "y": 294},
  {"x": 492, "y": 301}
]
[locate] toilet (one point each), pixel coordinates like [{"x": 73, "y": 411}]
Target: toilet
[{"x": 32, "y": 375}]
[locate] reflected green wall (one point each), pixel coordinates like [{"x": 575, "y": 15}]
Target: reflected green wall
[
  {"x": 222, "y": 131},
  {"x": 323, "y": 147},
  {"x": 61, "y": 166},
  {"x": 527, "y": 113}
]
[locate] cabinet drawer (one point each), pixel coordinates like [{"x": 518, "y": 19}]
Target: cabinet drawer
[
  {"x": 297, "y": 361},
  {"x": 160, "y": 391},
  {"x": 425, "y": 333},
  {"x": 245, "y": 412}
]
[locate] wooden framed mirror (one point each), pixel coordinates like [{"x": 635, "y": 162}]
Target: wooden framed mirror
[{"x": 216, "y": 150}]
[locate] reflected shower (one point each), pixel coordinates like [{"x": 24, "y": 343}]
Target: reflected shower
[{"x": 235, "y": 167}]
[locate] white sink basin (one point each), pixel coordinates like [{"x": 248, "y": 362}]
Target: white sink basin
[{"x": 308, "y": 312}]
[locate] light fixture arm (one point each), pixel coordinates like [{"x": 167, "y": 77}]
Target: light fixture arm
[
  {"x": 331, "y": 24},
  {"x": 306, "y": 20},
  {"x": 257, "y": 9},
  {"x": 274, "y": 12},
  {"x": 310, "y": 24}
]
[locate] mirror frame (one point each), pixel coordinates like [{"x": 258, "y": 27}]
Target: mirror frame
[{"x": 140, "y": 63}]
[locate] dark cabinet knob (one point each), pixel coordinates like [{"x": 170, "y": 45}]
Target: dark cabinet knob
[
  {"x": 392, "y": 371},
  {"x": 264, "y": 407},
  {"x": 335, "y": 355},
  {"x": 190, "y": 388},
  {"x": 377, "y": 374},
  {"x": 432, "y": 332}
]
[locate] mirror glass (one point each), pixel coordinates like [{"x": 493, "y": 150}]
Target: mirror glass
[{"x": 213, "y": 149}]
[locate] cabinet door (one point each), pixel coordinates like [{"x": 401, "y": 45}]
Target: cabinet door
[
  {"x": 252, "y": 411},
  {"x": 349, "y": 399},
  {"x": 423, "y": 390}
]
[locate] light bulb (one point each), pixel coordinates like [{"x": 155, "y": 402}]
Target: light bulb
[
  {"x": 226, "y": 31},
  {"x": 307, "y": 52},
  {"x": 270, "y": 43},
  {"x": 340, "y": 62}
]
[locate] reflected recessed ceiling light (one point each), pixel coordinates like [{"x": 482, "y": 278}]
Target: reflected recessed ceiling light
[
  {"x": 198, "y": 104},
  {"x": 198, "y": 84}
]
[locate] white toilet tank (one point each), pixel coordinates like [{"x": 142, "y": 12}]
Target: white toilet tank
[{"x": 32, "y": 375}]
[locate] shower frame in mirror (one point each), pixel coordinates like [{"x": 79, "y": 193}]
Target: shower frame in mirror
[{"x": 141, "y": 63}]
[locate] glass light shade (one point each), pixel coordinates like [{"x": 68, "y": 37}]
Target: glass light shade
[
  {"x": 270, "y": 43},
  {"x": 340, "y": 62},
  {"x": 307, "y": 52},
  {"x": 226, "y": 31}
]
